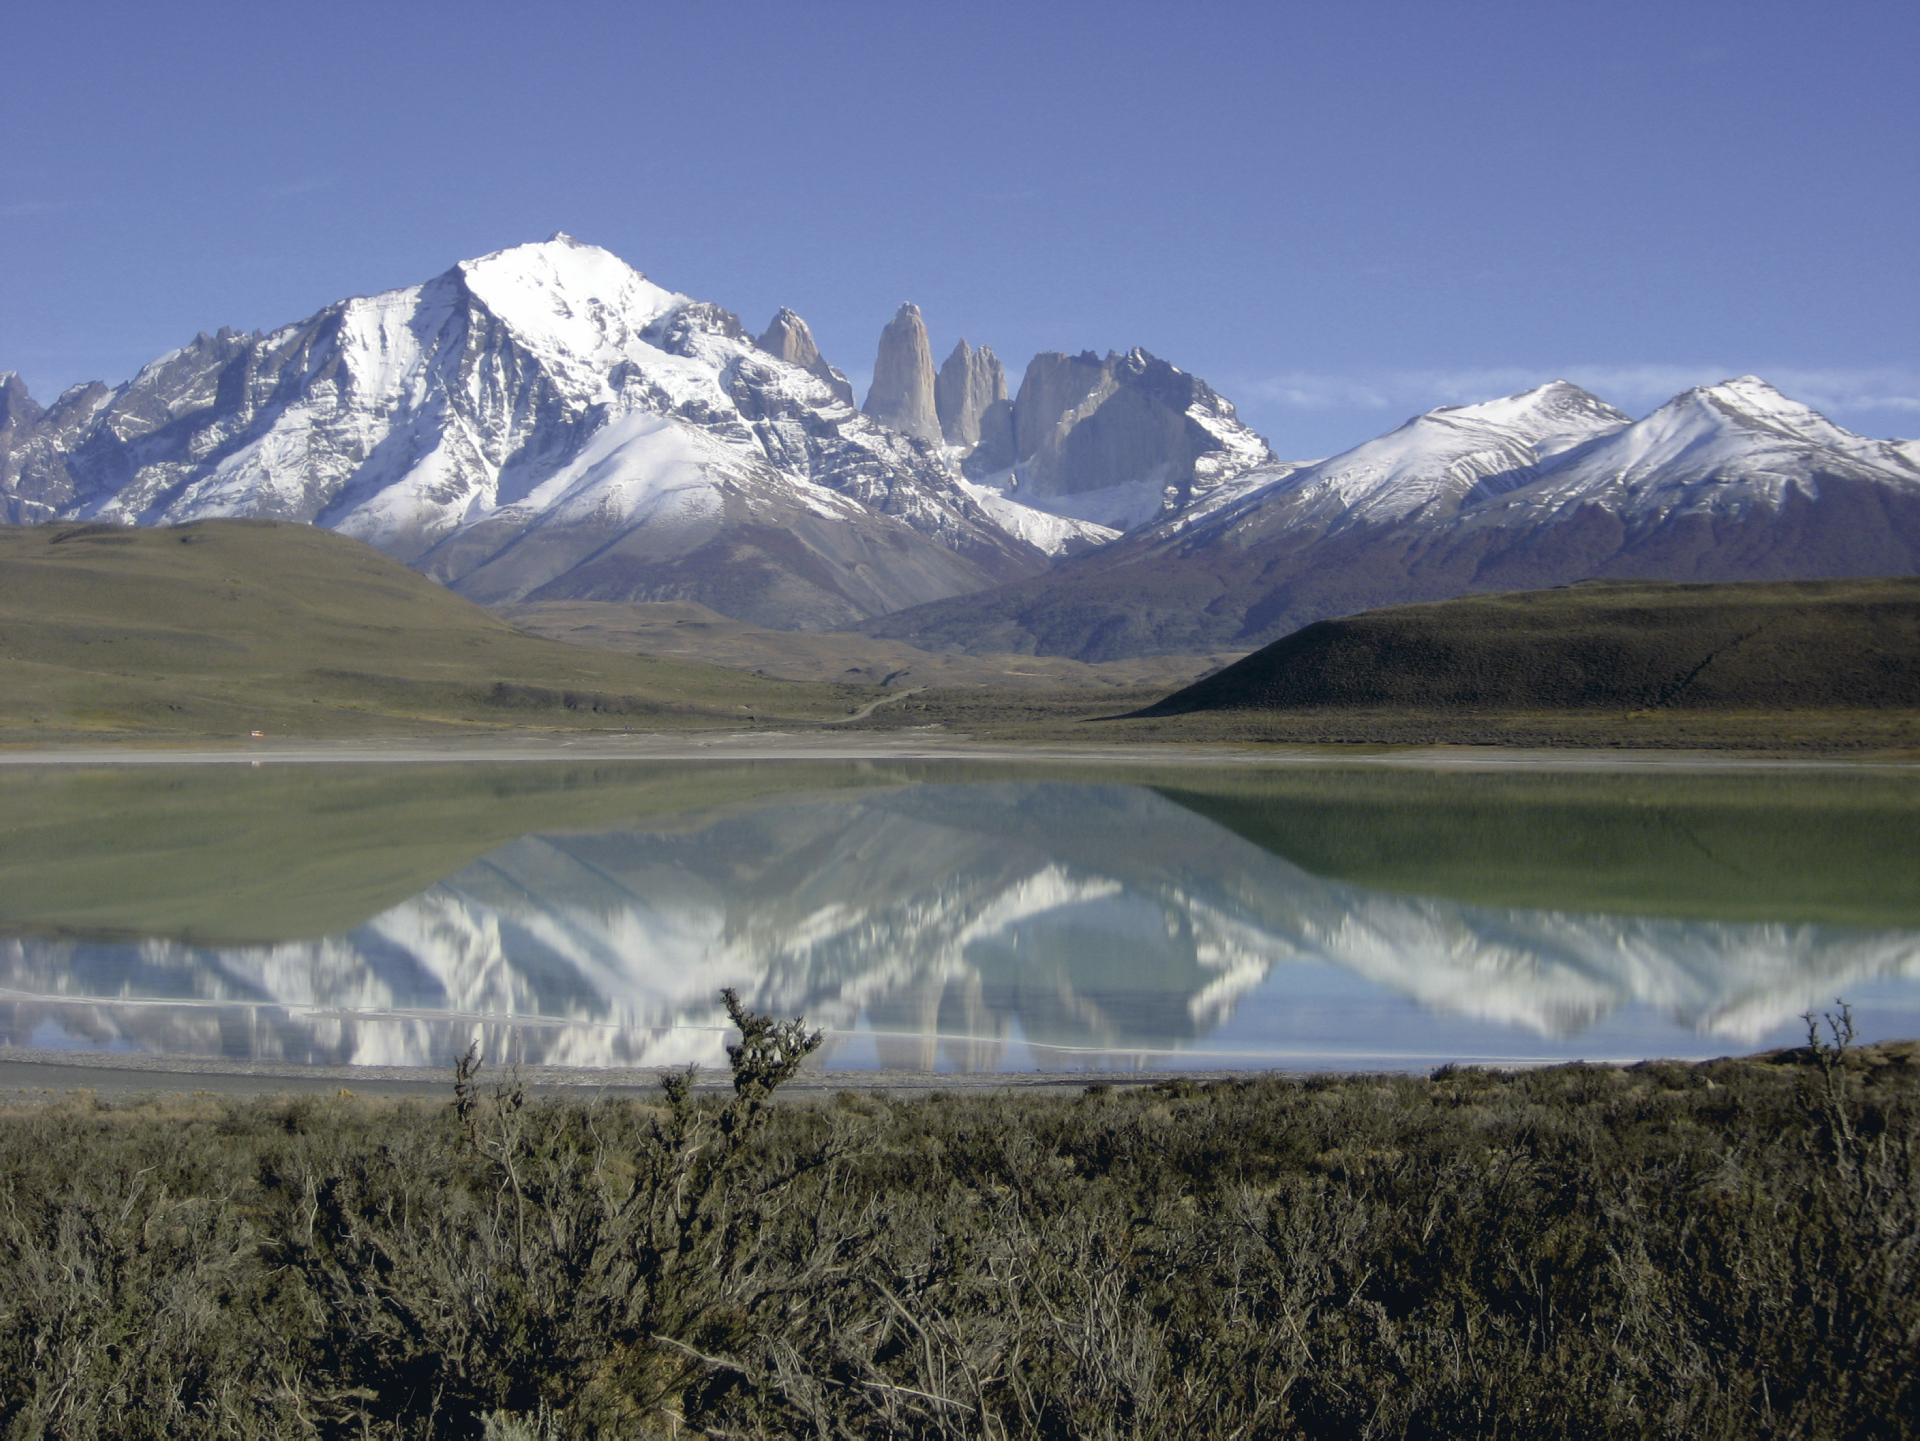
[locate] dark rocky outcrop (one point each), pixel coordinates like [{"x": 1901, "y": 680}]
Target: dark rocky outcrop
[
  {"x": 19, "y": 411},
  {"x": 35, "y": 480},
  {"x": 902, "y": 394}
]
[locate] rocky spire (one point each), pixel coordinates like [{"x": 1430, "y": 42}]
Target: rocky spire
[
  {"x": 968, "y": 385},
  {"x": 790, "y": 340},
  {"x": 901, "y": 395},
  {"x": 18, "y": 410}
]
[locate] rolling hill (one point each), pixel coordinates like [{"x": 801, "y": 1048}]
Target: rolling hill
[
  {"x": 1836, "y": 645},
  {"x": 230, "y": 626}
]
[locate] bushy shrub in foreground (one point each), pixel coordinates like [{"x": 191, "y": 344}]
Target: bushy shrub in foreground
[{"x": 1717, "y": 1250}]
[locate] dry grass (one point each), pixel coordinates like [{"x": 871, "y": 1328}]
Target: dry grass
[
  {"x": 222, "y": 627},
  {"x": 684, "y": 630}
]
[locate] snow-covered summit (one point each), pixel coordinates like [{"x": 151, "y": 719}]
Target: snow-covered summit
[
  {"x": 1432, "y": 466},
  {"x": 1715, "y": 450},
  {"x": 566, "y": 298}
]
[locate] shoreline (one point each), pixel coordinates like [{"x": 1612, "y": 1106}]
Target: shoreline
[
  {"x": 32, "y": 1074},
  {"x": 892, "y": 746},
  {"x": 36, "y": 1075}
]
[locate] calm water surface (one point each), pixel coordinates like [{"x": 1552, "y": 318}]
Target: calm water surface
[{"x": 948, "y": 917}]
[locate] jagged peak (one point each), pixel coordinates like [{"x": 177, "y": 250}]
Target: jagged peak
[
  {"x": 785, "y": 331},
  {"x": 17, "y": 405}
]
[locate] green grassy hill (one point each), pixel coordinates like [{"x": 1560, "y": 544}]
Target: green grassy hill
[
  {"x": 229, "y": 626},
  {"x": 1619, "y": 646}
]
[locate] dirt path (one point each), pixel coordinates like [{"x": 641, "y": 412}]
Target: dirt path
[{"x": 873, "y": 705}]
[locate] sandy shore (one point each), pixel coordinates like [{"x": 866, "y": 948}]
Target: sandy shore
[{"x": 909, "y": 746}]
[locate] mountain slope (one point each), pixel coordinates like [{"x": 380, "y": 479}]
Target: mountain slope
[
  {"x": 541, "y": 423},
  {"x": 1729, "y": 482}
]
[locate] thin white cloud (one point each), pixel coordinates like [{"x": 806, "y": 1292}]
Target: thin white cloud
[
  {"x": 1637, "y": 388},
  {"x": 31, "y": 207}
]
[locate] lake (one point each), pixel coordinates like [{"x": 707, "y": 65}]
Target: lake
[{"x": 950, "y": 916}]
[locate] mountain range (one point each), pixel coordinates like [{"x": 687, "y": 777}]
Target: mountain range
[
  {"x": 547, "y": 424},
  {"x": 1726, "y": 482}
]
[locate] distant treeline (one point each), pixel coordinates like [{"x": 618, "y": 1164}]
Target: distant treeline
[{"x": 1726, "y": 1249}]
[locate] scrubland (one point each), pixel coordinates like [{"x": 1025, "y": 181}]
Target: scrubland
[{"x": 1726, "y": 1249}]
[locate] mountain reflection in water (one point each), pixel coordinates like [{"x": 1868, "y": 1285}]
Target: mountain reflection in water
[{"x": 968, "y": 926}]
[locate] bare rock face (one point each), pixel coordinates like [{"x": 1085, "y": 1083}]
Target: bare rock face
[
  {"x": 1083, "y": 423},
  {"x": 966, "y": 392},
  {"x": 902, "y": 394},
  {"x": 20, "y": 416},
  {"x": 34, "y": 444},
  {"x": 788, "y": 338},
  {"x": 19, "y": 411}
]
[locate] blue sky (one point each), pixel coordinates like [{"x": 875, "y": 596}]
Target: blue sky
[{"x": 1338, "y": 214}]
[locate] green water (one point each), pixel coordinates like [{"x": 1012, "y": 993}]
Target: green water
[{"x": 980, "y": 916}]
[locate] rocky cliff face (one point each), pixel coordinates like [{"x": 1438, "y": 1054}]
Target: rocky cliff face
[
  {"x": 971, "y": 396},
  {"x": 902, "y": 394},
  {"x": 788, "y": 338},
  {"x": 541, "y": 423},
  {"x": 1097, "y": 446},
  {"x": 18, "y": 410},
  {"x": 1117, "y": 441}
]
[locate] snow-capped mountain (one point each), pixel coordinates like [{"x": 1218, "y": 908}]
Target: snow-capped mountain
[
  {"x": 1728, "y": 482},
  {"x": 543, "y": 422},
  {"x": 1429, "y": 468},
  {"x": 944, "y": 920}
]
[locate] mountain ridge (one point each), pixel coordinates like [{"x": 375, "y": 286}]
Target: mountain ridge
[{"x": 1728, "y": 482}]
